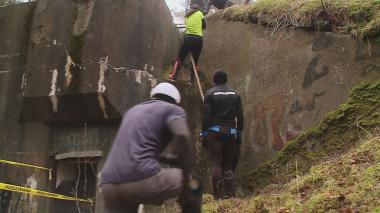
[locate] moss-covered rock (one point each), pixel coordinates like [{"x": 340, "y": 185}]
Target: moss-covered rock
[
  {"x": 338, "y": 131},
  {"x": 360, "y": 18}
]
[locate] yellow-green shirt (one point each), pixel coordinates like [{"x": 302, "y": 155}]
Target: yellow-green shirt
[{"x": 194, "y": 24}]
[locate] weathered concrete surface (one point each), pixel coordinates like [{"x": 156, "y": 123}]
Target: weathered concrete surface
[
  {"x": 288, "y": 79},
  {"x": 87, "y": 59},
  {"x": 97, "y": 46},
  {"x": 68, "y": 70},
  {"x": 15, "y": 24}
]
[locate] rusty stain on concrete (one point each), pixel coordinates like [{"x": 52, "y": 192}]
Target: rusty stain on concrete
[
  {"x": 68, "y": 74},
  {"x": 102, "y": 105}
]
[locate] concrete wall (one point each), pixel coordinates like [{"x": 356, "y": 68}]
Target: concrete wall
[
  {"x": 15, "y": 23},
  {"x": 288, "y": 79},
  {"x": 68, "y": 70},
  {"x": 92, "y": 43}
]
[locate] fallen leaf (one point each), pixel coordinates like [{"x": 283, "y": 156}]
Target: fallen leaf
[{"x": 282, "y": 210}]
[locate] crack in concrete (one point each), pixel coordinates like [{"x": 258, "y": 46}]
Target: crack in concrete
[
  {"x": 23, "y": 84},
  {"x": 53, "y": 97},
  {"x": 11, "y": 55},
  {"x": 53, "y": 82},
  {"x": 139, "y": 74},
  {"x": 102, "y": 105},
  {"x": 103, "y": 66}
]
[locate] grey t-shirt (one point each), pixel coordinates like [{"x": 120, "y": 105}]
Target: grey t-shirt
[{"x": 142, "y": 136}]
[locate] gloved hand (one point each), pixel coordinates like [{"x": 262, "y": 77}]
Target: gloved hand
[
  {"x": 204, "y": 140},
  {"x": 238, "y": 137}
]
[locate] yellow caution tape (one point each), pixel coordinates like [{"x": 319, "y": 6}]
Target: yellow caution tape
[
  {"x": 23, "y": 164},
  {"x": 26, "y": 165},
  {"x": 26, "y": 190}
]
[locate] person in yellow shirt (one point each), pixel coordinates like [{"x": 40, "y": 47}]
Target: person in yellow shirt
[{"x": 193, "y": 39}]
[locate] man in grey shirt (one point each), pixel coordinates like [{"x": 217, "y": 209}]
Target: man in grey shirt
[{"x": 132, "y": 174}]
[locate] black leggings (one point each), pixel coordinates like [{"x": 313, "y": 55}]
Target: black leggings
[
  {"x": 224, "y": 153},
  {"x": 191, "y": 44}
]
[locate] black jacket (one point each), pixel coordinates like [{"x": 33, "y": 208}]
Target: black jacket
[{"x": 222, "y": 106}]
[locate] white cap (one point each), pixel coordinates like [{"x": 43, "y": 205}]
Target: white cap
[{"x": 166, "y": 89}]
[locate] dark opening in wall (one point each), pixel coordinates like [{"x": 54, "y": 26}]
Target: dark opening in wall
[{"x": 75, "y": 177}]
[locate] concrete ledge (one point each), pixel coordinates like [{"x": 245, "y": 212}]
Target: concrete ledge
[{"x": 84, "y": 107}]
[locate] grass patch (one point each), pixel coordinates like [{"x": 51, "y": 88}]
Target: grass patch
[
  {"x": 345, "y": 183},
  {"x": 360, "y": 18}
]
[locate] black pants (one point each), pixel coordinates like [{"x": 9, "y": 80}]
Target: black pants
[
  {"x": 224, "y": 152},
  {"x": 191, "y": 44}
]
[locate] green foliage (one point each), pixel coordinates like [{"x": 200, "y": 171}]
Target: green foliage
[
  {"x": 360, "y": 18},
  {"x": 236, "y": 14}
]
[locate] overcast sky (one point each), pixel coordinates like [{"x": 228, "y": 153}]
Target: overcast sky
[{"x": 177, "y": 8}]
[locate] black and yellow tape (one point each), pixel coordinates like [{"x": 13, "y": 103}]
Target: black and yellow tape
[
  {"x": 23, "y": 164},
  {"x": 26, "y": 165},
  {"x": 26, "y": 190}
]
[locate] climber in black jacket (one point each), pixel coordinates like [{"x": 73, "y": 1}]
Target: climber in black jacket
[{"x": 222, "y": 128}]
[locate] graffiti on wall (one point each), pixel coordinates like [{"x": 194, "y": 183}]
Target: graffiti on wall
[
  {"x": 269, "y": 120},
  {"x": 312, "y": 74},
  {"x": 274, "y": 120}
]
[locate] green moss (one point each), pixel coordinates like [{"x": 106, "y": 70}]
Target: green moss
[
  {"x": 348, "y": 181},
  {"x": 236, "y": 14},
  {"x": 313, "y": 180},
  {"x": 360, "y": 18},
  {"x": 337, "y": 132},
  {"x": 367, "y": 188},
  {"x": 209, "y": 204},
  {"x": 322, "y": 203}
]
